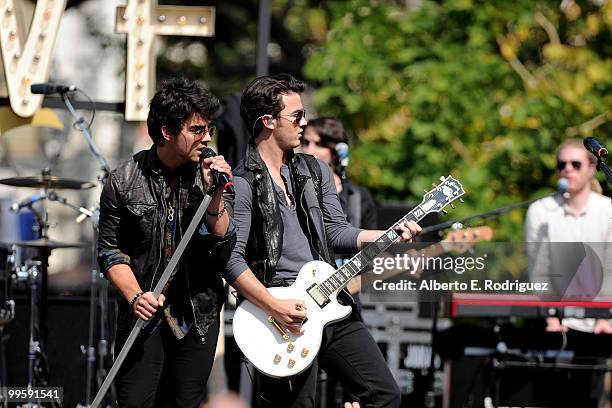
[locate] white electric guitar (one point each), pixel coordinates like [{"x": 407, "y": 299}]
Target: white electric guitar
[{"x": 279, "y": 353}]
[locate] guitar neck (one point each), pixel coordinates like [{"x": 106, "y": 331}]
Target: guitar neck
[
  {"x": 339, "y": 279},
  {"x": 431, "y": 251}
]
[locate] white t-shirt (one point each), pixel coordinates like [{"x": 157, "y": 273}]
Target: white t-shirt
[{"x": 549, "y": 221}]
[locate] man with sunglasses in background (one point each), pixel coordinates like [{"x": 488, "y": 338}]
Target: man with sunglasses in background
[
  {"x": 569, "y": 243},
  {"x": 278, "y": 233},
  {"x": 146, "y": 205},
  {"x": 577, "y": 214}
]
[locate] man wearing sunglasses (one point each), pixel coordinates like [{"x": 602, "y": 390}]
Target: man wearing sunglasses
[
  {"x": 278, "y": 233},
  {"x": 146, "y": 205},
  {"x": 579, "y": 215},
  {"x": 569, "y": 242}
]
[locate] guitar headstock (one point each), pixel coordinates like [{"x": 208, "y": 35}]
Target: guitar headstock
[
  {"x": 469, "y": 235},
  {"x": 460, "y": 241},
  {"x": 442, "y": 195}
]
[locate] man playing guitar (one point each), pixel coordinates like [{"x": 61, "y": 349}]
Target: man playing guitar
[{"x": 278, "y": 232}]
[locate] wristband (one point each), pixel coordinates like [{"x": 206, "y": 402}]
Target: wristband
[
  {"x": 219, "y": 214},
  {"x": 135, "y": 298}
]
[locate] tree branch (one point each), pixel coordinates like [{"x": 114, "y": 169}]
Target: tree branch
[
  {"x": 589, "y": 125},
  {"x": 519, "y": 68},
  {"x": 549, "y": 27}
]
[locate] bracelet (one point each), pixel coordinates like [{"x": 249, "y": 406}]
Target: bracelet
[
  {"x": 219, "y": 214},
  {"x": 135, "y": 298}
]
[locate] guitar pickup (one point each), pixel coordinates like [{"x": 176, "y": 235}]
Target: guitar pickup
[{"x": 317, "y": 295}]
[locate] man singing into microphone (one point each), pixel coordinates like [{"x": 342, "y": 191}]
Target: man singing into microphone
[
  {"x": 579, "y": 214},
  {"x": 145, "y": 207}
]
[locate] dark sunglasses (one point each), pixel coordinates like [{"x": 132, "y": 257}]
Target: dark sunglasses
[
  {"x": 297, "y": 116},
  {"x": 575, "y": 164}
]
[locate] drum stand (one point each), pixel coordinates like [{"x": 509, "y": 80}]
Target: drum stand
[
  {"x": 98, "y": 299},
  {"x": 32, "y": 274},
  {"x": 7, "y": 314}
]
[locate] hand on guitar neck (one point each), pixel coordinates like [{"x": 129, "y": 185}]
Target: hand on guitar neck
[
  {"x": 265, "y": 335},
  {"x": 457, "y": 241}
]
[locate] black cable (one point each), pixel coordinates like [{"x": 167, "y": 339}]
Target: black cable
[
  {"x": 93, "y": 111},
  {"x": 264, "y": 399}
]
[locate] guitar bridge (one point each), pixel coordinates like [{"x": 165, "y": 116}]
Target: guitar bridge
[
  {"x": 278, "y": 328},
  {"x": 317, "y": 295}
]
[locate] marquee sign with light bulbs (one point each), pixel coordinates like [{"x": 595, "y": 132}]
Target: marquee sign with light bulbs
[
  {"x": 142, "y": 20},
  {"x": 27, "y": 62}
]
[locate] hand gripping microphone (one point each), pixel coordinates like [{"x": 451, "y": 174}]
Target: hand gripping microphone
[
  {"x": 219, "y": 178},
  {"x": 593, "y": 146}
]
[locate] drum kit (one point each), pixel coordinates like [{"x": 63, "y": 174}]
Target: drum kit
[{"x": 31, "y": 275}]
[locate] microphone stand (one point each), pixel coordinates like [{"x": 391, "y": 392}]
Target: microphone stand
[
  {"x": 102, "y": 294},
  {"x": 343, "y": 176},
  {"x": 492, "y": 213},
  {"x": 80, "y": 122},
  {"x": 603, "y": 167}
]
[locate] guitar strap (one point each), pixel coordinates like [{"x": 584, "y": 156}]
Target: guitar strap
[
  {"x": 354, "y": 205},
  {"x": 314, "y": 210},
  {"x": 316, "y": 214}
]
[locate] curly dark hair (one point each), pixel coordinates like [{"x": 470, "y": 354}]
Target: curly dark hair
[
  {"x": 263, "y": 96},
  {"x": 176, "y": 101},
  {"x": 330, "y": 130}
]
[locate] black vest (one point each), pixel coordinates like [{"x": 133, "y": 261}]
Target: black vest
[{"x": 265, "y": 241}]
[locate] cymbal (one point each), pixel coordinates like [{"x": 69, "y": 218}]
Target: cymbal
[
  {"x": 47, "y": 181},
  {"x": 43, "y": 243}
]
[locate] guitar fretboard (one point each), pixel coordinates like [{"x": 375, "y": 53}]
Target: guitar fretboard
[{"x": 357, "y": 263}]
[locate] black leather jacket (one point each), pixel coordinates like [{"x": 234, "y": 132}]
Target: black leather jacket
[
  {"x": 266, "y": 239},
  {"x": 133, "y": 213}
]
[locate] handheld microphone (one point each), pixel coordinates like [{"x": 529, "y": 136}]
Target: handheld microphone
[
  {"x": 593, "y": 146},
  {"x": 16, "y": 207},
  {"x": 50, "y": 89},
  {"x": 219, "y": 178},
  {"x": 342, "y": 150},
  {"x": 563, "y": 186}
]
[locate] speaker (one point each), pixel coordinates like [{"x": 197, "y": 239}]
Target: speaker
[{"x": 474, "y": 378}]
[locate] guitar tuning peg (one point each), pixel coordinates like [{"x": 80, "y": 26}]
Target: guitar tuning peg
[
  {"x": 461, "y": 200},
  {"x": 425, "y": 190},
  {"x": 445, "y": 212},
  {"x": 442, "y": 178},
  {"x": 453, "y": 206},
  {"x": 434, "y": 185}
]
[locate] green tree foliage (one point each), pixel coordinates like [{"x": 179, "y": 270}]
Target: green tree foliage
[{"x": 485, "y": 90}]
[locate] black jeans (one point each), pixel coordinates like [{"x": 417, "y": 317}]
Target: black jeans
[
  {"x": 162, "y": 371},
  {"x": 349, "y": 353}
]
